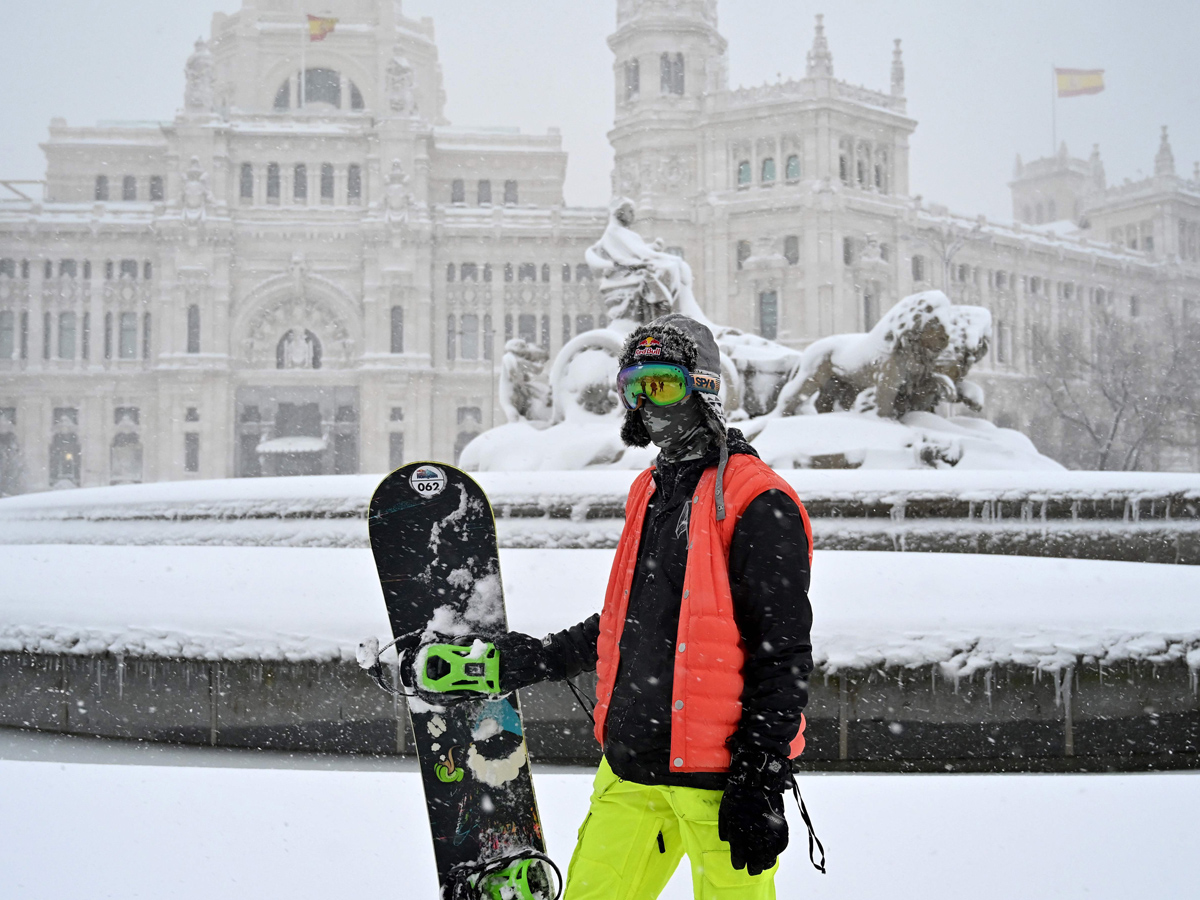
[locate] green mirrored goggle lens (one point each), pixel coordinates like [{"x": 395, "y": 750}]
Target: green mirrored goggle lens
[{"x": 660, "y": 383}]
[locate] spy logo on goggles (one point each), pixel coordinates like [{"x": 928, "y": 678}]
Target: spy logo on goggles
[
  {"x": 662, "y": 384},
  {"x": 649, "y": 347}
]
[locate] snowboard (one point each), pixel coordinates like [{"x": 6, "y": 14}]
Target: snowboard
[{"x": 433, "y": 537}]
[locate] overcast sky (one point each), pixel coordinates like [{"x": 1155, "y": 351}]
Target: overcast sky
[{"x": 978, "y": 75}]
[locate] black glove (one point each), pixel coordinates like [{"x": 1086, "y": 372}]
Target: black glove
[
  {"x": 751, "y": 815},
  {"x": 523, "y": 660}
]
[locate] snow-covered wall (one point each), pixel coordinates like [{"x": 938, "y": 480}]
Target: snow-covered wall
[{"x": 1147, "y": 516}]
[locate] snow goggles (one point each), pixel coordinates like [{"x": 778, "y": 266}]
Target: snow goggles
[{"x": 663, "y": 384}]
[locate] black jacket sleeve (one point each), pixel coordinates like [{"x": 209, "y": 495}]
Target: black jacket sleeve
[
  {"x": 768, "y": 577},
  {"x": 525, "y": 660}
]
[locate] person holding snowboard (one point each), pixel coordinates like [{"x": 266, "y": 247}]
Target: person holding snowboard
[{"x": 702, "y": 649}]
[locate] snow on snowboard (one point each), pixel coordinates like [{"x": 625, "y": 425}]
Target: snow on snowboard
[{"x": 434, "y": 541}]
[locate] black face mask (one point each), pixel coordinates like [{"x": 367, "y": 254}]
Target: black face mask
[{"x": 679, "y": 431}]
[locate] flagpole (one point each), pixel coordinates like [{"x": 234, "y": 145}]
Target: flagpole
[
  {"x": 1053, "y": 110},
  {"x": 303, "y": 68}
]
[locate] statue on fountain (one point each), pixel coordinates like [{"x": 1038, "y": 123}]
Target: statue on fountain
[{"x": 639, "y": 281}]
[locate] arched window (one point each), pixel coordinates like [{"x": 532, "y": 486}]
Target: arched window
[
  {"x": 246, "y": 183},
  {"x": 743, "y": 173},
  {"x": 450, "y": 269},
  {"x": 129, "y": 268},
  {"x": 470, "y": 336},
  {"x": 125, "y": 459},
  {"x": 101, "y": 187},
  {"x": 300, "y": 183},
  {"x": 450, "y": 326},
  {"x": 108, "y": 335},
  {"x": 299, "y": 348},
  {"x": 510, "y": 193},
  {"x": 664, "y": 73},
  {"x": 545, "y": 271},
  {"x": 354, "y": 184},
  {"x": 66, "y": 335},
  {"x": 327, "y": 182},
  {"x": 881, "y": 171},
  {"x": 743, "y": 253},
  {"x": 848, "y": 251},
  {"x": 483, "y": 192},
  {"x": 8, "y": 333},
  {"x": 193, "y": 329},
  {"x": 487, "y": 272},
  {"x": 8, "y": 267},
  {"x": 844, "y": 153},
  {"x": 677, "y": 75},
  {"x": 458, "y": 191},
  {"x": 1135, "y": 306},
  {"x": 791, "y": 249},
  {"x": 128, "y": 188},
  {"x": 145, "y": 335},
  {"x": 322, "y": 86},
  {"x": 566, "y": 272},
  {"x": 489, "y": 336},
  {"x": 64, "y": 458},
  {"x": 633, "y": 79},
  {"x": 860, "y": 170},
  {"x": 147, "y": 270},
  {"x": 283, "y": 96},
  {"x": 468, "y": 272},
  {"x": 527, "y": 272},
  {"x": 67, "y": 268},
  {"x": 792, "y": 168},
  {"x": 127, "y": 336},
  {"x": 156, "y": 188},
  {"x": 566, "y": 334},
  {"x": 768, "y": 170},
  {"x": 918, "y": 268},
  {"x": 273, "y": 182},
  {"x": 583, "y": 272},
  {"x": 768, "y": 314},
  {"x": 356, "y": 97},
  {"x": 397, "y": 342}
]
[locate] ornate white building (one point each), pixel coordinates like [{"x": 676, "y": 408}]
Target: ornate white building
[{"x": 312, "y": 271}]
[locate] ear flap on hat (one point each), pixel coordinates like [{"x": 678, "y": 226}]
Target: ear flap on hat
[{"x": 633, "y": 430}]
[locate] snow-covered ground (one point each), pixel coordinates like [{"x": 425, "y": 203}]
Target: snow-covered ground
[
  {"x": 965, "y": 611},
  {"x": 194, "y": 826}
]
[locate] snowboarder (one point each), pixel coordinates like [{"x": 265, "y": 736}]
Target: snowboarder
[{"x": 702, "y": 648}]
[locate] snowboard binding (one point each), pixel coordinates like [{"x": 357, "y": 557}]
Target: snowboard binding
[
  {"x": 437, "y": 668},
  {"x": 523, "y": 875}
]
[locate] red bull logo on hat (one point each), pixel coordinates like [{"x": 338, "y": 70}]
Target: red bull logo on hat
[{"x": 650, "y": 346}]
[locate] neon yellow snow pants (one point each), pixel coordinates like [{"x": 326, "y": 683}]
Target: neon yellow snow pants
[{"x": 619, "y": 855}]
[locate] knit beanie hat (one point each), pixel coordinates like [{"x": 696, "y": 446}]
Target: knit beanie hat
[{"x": 676, "y": 338}]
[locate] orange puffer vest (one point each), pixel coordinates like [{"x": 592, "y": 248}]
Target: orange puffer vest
[{"x": 706, "y": 702}]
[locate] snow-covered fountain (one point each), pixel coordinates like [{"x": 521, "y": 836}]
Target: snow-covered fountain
[{"x": 846, "y": 401}]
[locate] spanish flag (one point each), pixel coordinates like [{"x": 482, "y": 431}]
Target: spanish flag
[
  {"x": 319, "y": 26},
  {"x": 1077, "y": 82}
]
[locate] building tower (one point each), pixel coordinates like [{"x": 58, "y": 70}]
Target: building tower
[{"x": 668, "y": 58}]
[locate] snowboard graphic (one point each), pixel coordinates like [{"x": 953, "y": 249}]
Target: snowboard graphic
[{"x": 434, "y": 542}]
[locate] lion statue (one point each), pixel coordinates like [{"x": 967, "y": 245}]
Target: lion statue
[{"x": 916, "y": 356}]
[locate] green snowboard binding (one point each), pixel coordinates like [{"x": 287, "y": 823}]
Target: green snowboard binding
[
  {"x": 440, "y": 668},
  {"x": 524, "y": 875},
  {"x": 444, "y": 667}
]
